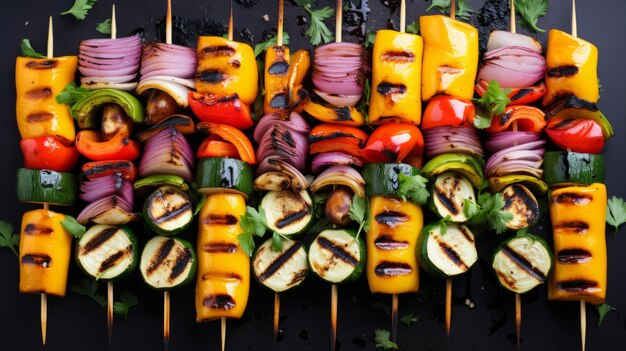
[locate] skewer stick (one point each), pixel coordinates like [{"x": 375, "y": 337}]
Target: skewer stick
[
  {"x": 279, "y": 35},
  {"x": 448, "y": 306},
  {"x": 276, "y": 317},
  {"x": 402, "y": 16},
  {"x": 394, "y": 317},
  {"x": 333, "y": 316},
  {"x": 113, "y": 23},
  {"x": 583, "y": 324},
  {"x": 574, "y": 25},
  {"x": 223, "y": 333},
  {"x": 230, "y": 22},
  {"x": 166, "y": 319},
  {"x": 168, "y": 23},
  {"x": 452, "y": 9},
  {"x": 338, "y": 20},
  {"x": 110, "y": 310},
  {"x": 513, "y": 25},
  {"x": 518, "y": 318},
  {"x": 513, "y": 29}
]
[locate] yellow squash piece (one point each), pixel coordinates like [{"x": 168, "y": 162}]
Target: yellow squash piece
[
  {"x": 395, "y": 225},
  {"x": 223, "y": 282},
  {"x": 45, "y": 249},
  {"x": 37, "y": 83},
  {"x": 346, "y": 115},
  {"x": 578, "y": 223},
  {"x": 572, "y": 68},
  {"x": 396, "y": 78},
  {"x": 450, "y": 57},
  {"x": 226, "y": 67},
  {"x": 276, "y": 79}
]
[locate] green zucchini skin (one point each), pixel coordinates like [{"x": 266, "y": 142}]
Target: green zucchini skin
[
  {"x": 287, "y": 212},
  {"x": 44, "y": 186},
  {"x": 216, "y": 174},
  {"x": 564, "y": 168},
  {"x": 88, "y": 108},
  {"x": 158, "y": 180},
  {"x": 448, "y": 194},
  {"x": 177, "y": 204},
  {"x": 108, "y": 239},
  {"x": 447, "y": 255},
  {"x": 533, "y": 277},
  {"x": 283, "y": 270},
  {"x": 334, "y": 249},
  {"x": 175, "y": 252},
  {"x": 383, "y": 179}
]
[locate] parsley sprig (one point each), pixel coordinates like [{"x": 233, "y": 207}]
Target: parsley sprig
[
  {"x": 488, "y": 211},
  {"x": 28, "y": 51},
  {"x": 381, "y": 338},
  {"x": 530, "y": 11},
  {"x": 80, "y": 8},
  {"x": 104, "y": 27},
  {"x": 252, "y": 223},
  {"x": 318, "y": 31},
  {"x": 616, "y": 212},
  {"x": 463, "y": 9},
  {"x": 9, "y": 239},
  {"x": 492, "y": 103},
  {"x": 260, "y": 47},
  {"x": 71, "y": 94},
  {"x": 89, "y": 288},
  {"x": 359, "y": 213},
  {"x": 71, "y": 225},
  {"x": 413, "y": 188}
]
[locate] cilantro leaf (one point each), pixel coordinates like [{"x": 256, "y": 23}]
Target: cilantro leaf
[
  {"x": 104, "y": 27},
  {"x": 260, "y": 47},
  {"x": 492, "y": 103},
  {"x": 530, "y": 11},
  {"x": 603, "y": 310},
  {"x": 470, "y": 208},
  {"x": 89, "y": 288},
  {"x": 498, "y": 218},
  {"x": 128, "y": 301},
  {"x": 370, "y": 39},
  {"x": 199, "y": 205},
  {"x": 319, "y": 202},
  {"x": 318, "y": 31},
  {"x": 28, "y": 51},
  {"x": 616, "y": 212},
  {"x": 7, "y": 238},
  {"x": 381, "y": 338},
  {"x": 413, "y": 188},
  {"x": 252, "y": 223},
  {"x": 413, "y": 28},
  {"x": 463, "y": 8},
  {"x": 409, "y": 319},
  {"x": 80, "y": 8},
  {"x": 363, "y": 105},
  {"x": 71, "y": 94},
  {"x": 277, "y": 242},
  {"x": 358, "y": 213},
  {"x": 443, "y": 224},
  {"x": 72, "y": 227}
]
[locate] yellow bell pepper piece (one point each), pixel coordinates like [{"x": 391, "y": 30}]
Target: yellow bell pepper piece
[
  {"x": 37, "y": 83},
  {"x": 450, "y": 57},
  {"x": 578, "y": 223},
  {"x": 572, "y": 68},
  {"x": 45, "y": 249},
  {"x": 276, "y": 79},
  {"x": 396, "y": 78},
  {"x": 391, "y": 241},
  {"x": 223, "y": 282},
  {"x": 346, "y": 115},
  {"x": 226, "y": 67},
  {"x": 298, "y": 70}
]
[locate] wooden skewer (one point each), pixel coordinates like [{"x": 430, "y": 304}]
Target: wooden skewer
[
  {"x": 223, "y": 333},
  {"x": 166, "y": 319},
  {"x": 279, "y": 35},
  {"x": 448, "y": 306},
  {"x": 402, "y": 16},
  {"x": 276, "y": 318},
  {"x": 333, "y": 316},
  {"x": 168, "y": 23},
  {"x": 113, "y": 23},
  {"x": 452, "y": 9},
  {"x": 518, "y": 318},
  {"x": 230, "y": 22},
  {"x": 338, "y": 20},
  {"x": 110, "y": 310},
  {"x": 513, "y": 25},
  {"x": 394, "y": 317},
  {"x": 574, "y": 25}
]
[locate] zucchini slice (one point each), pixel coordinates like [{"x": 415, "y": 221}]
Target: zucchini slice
[
  {"x": 161, "y": 179},
  {"x": 107, "y": 252},
  {"x": 168, "y": 210},
  {"x": 280, "y": 270},
  {"x": 522, "y": 204},
  {"x": 88, "y": 108},
  {"x": 470, "y": 167},
  {"x": 564, "y": 168},
  {"x": 496, "y": 184},
  {"x": 287, "y": 212},
  {"x": 224, "y": 175},
  {"x": 167, "y": 263},
  {"x": 382, "y": 179},
  {"x": 44, "y": 186},
  {"x": 521, "y": 263},
  {"x": 337, "y": 256},
  {"x": 450, "y": 190},
  {"x": 446, "y": 255}
]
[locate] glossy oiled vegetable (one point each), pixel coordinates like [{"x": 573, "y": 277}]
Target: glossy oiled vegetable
[
  {"x": 37, "y": 83},
  {"x": 521, "y": 263},
  {"x": 167, "y": 263},
  {"x": 107, "y": 252},
  {"x": 223, "y": 281},
  {"x": 391, "y": 242},
  {"x": 450, "y": 57},
  {"x": 446, "y": 254},
  {"x": 276, "y": 79},
  {"x": 45, "y": 249},
  {"x": 578, "y": 223},
  {"x": 283, "y": 269},
  {"x": 396, "y": 78},
  {"x": 337, "y": 255}
]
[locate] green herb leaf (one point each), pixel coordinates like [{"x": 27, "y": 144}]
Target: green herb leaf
[
  {"x": 80, "y": 8},
  {"x": 319, "y": 226},
  {"x": 463, "y": 9},
  {"x": 470, "y": 208},
  {"x": 409, "y": 319},
  {"x": 273, "y": 41},
  {"x": 413, "y": 28},
  {"x": 370, "y": 39},
  {"x": 358, "y": 213},
  {"x": 413, "y": 188},
  {"x": 492, "y": 103},
  {"x": 381, "y": 338},
  {"x": 319, "y": 202},
  {"x": 603, "y": 310},
  {"x": 89, "y": 288},
  {"x": 498, "y": 218},
  {"x": 530, "y": 11},
  {"x": 104, "y": 27},
  {"x": 199, "y": 205},
  {"x": 443, "y": 224},
  {"x": 71, "y": 225},
  {"x": 616, "y": 212},
  {"x": 28, "y": 51},
  {"x": 318, "y": 31},
  {"x": 363, "y": 105},
  {"x": 252, "y": 223},
  {"x": 71, "y": 94},
  {"x": 8, "y": 239},
  {"x": 128, "y": 301},
  {"x": 277, "y": 242}
]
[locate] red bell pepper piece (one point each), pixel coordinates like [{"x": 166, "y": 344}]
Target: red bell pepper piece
[
  {"x": 448, "y": 111},
  {"x": 224, "y": 110},
  {"x": 577, "y": 135},
  {"x": 338, "y": 133},
  {"x": 48, "y": 152},
  {"x": 528, "y": 118},
  {"x": 89, "y": 143},
  {"x": 93, "y": 170},
  {"x": 324, "y": 146},
  {"x": 518, "y": 96},
  {"x": 214, "y": 146},
  {"x": 395, "y": 142},
  {"x": 232, "y": 135}
]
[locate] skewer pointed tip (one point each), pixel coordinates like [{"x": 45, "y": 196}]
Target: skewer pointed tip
[
  {"x": 276, "y": 318},
  {"x": 334, "y": 299},
  {"x": 518, "y": 318},
  {"x": 166, "y": 319},
  {"x": 223, "y": 333},
  {"x": 394, "y": 317},
  {"x": 44, "y": 318},
  {"x": 583, "y": 324},
  {"x": 110, "y": 310},
  {"x": 113, "y": 23},
  {"x": 448, "y": 306}
]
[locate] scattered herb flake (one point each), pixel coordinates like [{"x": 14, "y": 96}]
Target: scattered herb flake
[
  {"x": 409, "y": 319},
  {"x": 381, "y": 338},
  {"x": 603, "y": 310},
  {"x": 616, "y": 212},
  {"x": 8, "y": 239},
  {"x": 277, "y": 242},
  {"x": 413, "y": 28},
  {"x": 71, "y": 225},
  {"x": 463, "y": 9},
  {"x": 261, "y": 47},
  {"x": 89, "y": 288},
  {"x": 28, "y": 51},
  {"x": 104, "y": 27},
  {"x": 128, "y": 301},
  {"x": 358, "y": 213},
  {"x": 80, "y": 8},
  {"x": 530, "y": 11}
]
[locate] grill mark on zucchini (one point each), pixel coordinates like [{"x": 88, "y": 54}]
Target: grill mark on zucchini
[
  {"x": 465, "y": 233},
  {"x": 220, "y": 248},
  {"x": 161, "y": 254},
  {"x": 113, "y": 259},
  {"x": 171, "y": 215},
  {"x": 37, "y": 259},
  {"x": 33, "y": 229},
  {"x": 182, "y": 260},
  {"x": 452, "y": 255},
  {"x": 562, "y": 71},
  {"x": 577, "y": 227},
  {"x": 279, "y": 261},
  {"x": 392, "y": 269},
  {"x": 214, "y": 219},
  {"x": 46, "y": 64},
  {"x": 568, "y": 256},
  {"x": 99, "y": 239},
  {"x": 222, "y": 302},
  {"x": 523, "y": 263},
  {"x": 398, "y": 56},
  {"x": 337, "y": 251},
  {"x": 578, "y": 286},
  {"x": 386, "y": 242},
  {"x": 216, "y": 51},
  {"x": 391, "y": 218},
  {"x": 293, "y": 217},
  {"x": 298, "y": 277},
  {"x": 449, "y": 205},
  {"x": 572, "y": 199}
]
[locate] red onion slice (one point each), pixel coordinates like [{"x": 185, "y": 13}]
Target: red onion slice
[
  {"x": 113, "y": 210},
  {"x": 113, "y": 184},
  {"x": 452, "y": 139},
  {"x": 525, "y": 158},
  {"x": 499, "y": 141},
  {"x": 340, "y": 175},
  {"x": 334, "y": 159},
  {"x": 117, "y": 60},
  {"x": 167, "y": 152},
  {"x": 512, "y": 67},
  {"x": 500, "y": 38}
]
